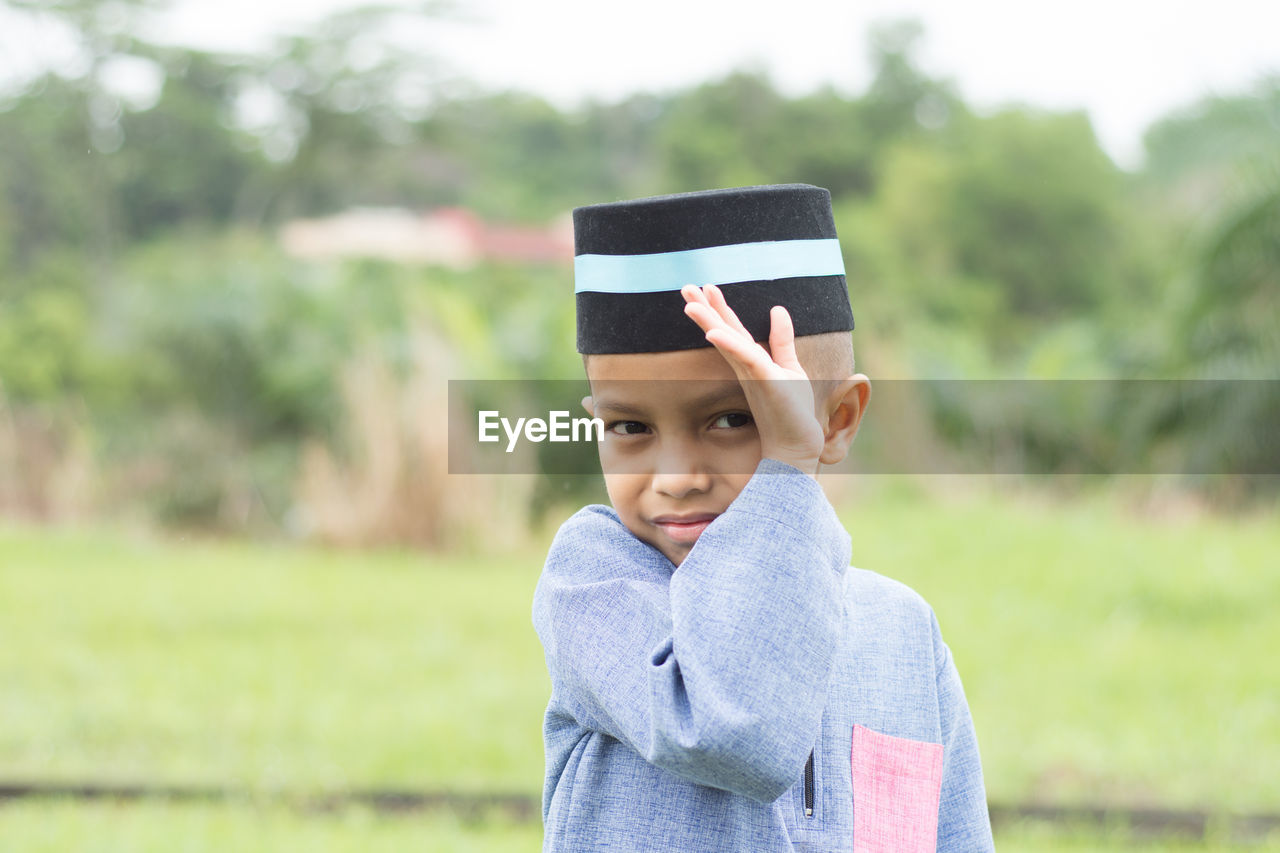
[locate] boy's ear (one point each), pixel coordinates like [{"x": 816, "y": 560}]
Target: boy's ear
[
  {"x": 589, "y": 406},
  {"x": 845, "y": 405}
]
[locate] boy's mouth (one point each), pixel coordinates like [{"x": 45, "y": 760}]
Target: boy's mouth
[{"x": 684, "y": 529}]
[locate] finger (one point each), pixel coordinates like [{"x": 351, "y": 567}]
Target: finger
[
  {"x": 692, "y": 293},
  {"x": 694, "y": 296},
  {"x": 717, "y": 301},
  {"x": 704, "y": 316},
  {"x": 782, "y": 339},
  {"x": 748, "y": 358}
]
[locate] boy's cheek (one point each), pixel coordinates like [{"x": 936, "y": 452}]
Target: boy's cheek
[
  {"x": 616, "y": 461},
  {"x": 738, "y": 482},
  {"x": 622, "y": 489}
]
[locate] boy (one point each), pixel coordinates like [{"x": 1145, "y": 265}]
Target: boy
[{"x": 722, "y": 679}]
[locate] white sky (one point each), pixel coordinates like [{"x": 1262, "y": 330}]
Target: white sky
[{"x": 1125, "y": 61}]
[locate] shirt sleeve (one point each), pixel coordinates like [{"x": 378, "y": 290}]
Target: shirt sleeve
[
  {"x": 716, "y": 670},
  {"x": 963, "y": 821}
]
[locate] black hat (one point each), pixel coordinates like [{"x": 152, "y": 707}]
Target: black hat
[{"x": 764, "y": 246}]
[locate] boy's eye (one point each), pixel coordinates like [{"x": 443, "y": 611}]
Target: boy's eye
[
  {"x": 732, "y": 420},
  {"x": 626, "y": 428}
]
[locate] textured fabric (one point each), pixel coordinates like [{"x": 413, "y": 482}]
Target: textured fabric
[
  {"x": 627, "y": 322},
  {"x": 682, "y": 221},
  {"x": 896, "y": 785},
  {"x": 685, "y": 700},
  {"x": 632, "y": 253}
]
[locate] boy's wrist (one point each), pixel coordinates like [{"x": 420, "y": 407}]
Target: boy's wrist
[
  {"x": 781, "y": 492},
  {"x": 808, "y": 465}
]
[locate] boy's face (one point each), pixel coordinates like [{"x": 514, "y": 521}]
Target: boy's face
[{"x": 679, "y": 442}]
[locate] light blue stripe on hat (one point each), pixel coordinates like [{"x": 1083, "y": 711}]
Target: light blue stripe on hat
[{"x": 712, "y": 265}]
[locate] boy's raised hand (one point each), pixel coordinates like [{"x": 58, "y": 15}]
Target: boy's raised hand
[{"x": 783, "y": 410}]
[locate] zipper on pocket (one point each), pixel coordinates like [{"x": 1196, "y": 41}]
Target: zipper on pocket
[{"x": 808, "y": 786}]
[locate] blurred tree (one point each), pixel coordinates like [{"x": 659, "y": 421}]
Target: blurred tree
[
  {"x": 902, "y": 100},
  {"x": 65, "y": 120},
  {"x": 515, "y": 157},
  {"x": 182, "y": 161},
  {"x": 1231, "y": 325},
  {"x": 320, "y": 122},
  {"x": 1006, "y": 226},
  {"x": 740, "y": 130},
  {"x": 1231, "y": 330},
  {"x": 1213, "y": 138},
  {"x": 1222, "y": 345},
  {"x": 1032, "y": 205},
  {"x": 724, "y": 134},
  {"x": 338, "y": 106},
  {"x": 47, "y": 175},
  {"x": 1005, "y": 244}
]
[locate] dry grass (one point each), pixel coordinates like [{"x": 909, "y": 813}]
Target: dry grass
[
  {"x": 46, "y": 467},
  {"x": 394, "y": 487}
]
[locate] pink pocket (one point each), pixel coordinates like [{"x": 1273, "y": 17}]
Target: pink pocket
[{"x": 896, "y": 785}]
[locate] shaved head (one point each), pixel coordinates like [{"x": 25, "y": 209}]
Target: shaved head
[
  {"x": 826, "y": 356},
  {"x": 827, "y": 359}
]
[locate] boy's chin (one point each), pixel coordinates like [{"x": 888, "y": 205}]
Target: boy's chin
[
  {"x": 676, "y": 554},
  {"x": 673, "y": 551}
]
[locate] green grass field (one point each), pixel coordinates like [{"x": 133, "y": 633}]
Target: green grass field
[
  {"x": 1107, "y": 659},
  {"x": 56, "y": 826}
]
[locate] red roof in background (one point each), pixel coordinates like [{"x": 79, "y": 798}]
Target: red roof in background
[{"x": 452, "y": 236}]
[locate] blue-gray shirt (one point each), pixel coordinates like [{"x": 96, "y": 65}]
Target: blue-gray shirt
[{"x": 686, "y": 701}]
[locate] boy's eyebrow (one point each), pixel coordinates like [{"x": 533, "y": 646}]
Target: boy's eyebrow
[{"x": 729, "y": 391}]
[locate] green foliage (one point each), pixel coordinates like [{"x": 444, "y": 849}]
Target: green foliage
[
  {"x": 722, "y": 134},
  {"x": 49, "y": 174},
  {"x": 217, "y": 357},
  {"x": 45, "y": 346},
  {"x": 229, "y": 331},
  {"x": 1225, "y": 331},
  {"x": 1010, "y": 224},
  {"x": 514, "y": 157},
  {"x": 976, "y": 246},
  {"x": 1031, "y": 207},
  {"x": 1214, "y": 135},
  {"x": 1231, "y": 327},
  {"x": 902, "y": 100},
  {"x": 179, "y": 162}
]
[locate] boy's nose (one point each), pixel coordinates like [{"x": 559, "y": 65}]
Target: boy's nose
[{"x": 680, "y": 472}]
